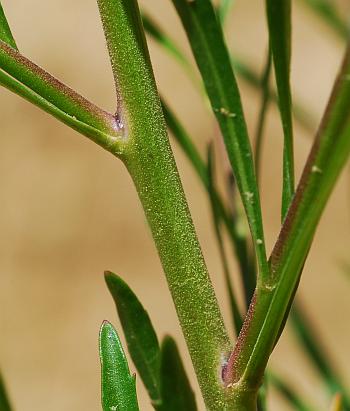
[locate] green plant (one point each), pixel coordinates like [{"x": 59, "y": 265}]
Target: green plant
[{"x": 230, "y": 376}]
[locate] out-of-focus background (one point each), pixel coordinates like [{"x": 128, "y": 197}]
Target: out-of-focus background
[{"x": 69, "y": 210}]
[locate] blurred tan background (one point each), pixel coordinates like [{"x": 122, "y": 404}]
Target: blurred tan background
[{"x": 68, "y": 210}]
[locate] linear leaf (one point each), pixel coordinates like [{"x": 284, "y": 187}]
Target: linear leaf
[
  {"x": 239, "y": 241},
  {"x": 236, "y": 315},
  {"x": 310, "y": 342},
  {"x": 118, "y": 386},
  {"x": 209, "y": 49},
  {"x": 4, "y": 400},
  {"x": 265, "y": 99},
  {"x": 301, "y": 114},
  {"x": 177, "y": 393},
  {"x": 279, "y": 22},
  {"x": 5, "y": 31},
  {"x": 327, "y": 10},
  {"x": 153, "y": 30},
  {"x": 139, "y": 333}
]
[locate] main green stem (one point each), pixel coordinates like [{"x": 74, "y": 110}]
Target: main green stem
[{"x": 145, "y": 150}]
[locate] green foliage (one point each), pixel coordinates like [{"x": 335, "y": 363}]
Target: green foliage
[
  {"x": 229, "y": 377},
  {"x": 237, "y": 318},
  {"x": 140, "y": 336},
  {"x": 279, "y": 22},
  {"x": 160, "y": 369},
  {"x": 177, "y": 393},
  {"x": 118, "y": 386}
]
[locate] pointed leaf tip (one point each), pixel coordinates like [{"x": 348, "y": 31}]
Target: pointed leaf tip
[
  {"x": 118, "y": 385},
  {"x": 139, "y": 333}
]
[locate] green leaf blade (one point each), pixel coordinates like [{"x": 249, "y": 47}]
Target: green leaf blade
[
  {"x": 139, "y": 333},
  {"x": 177, "y": 393},
  {"x": 152, "y": 29},
  {"x": 209, "y": 49},
  {"x": 118, "y": 386},
  {"x": 5, "y": 31},
  {"x": 279, "y": 22},
  {"x": 235, "y": 313}
]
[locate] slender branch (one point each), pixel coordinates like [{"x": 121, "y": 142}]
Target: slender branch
[
  {"x": 22, "y": 76},
  {"x": 326, "y": 160},
  {"x": 267, "y": 312}
]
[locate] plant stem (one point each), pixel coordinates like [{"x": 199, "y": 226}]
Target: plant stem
[
  {"x": 270, "y": 305},
  {"x": 150, "y": 162}
]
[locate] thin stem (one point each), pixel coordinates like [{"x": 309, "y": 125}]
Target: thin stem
[
  {"x": 22, "y": 76},
  {"x": 269, "y": 306},
  {"x": 326, "y": 160}
]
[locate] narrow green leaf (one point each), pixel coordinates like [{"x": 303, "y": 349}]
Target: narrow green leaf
[
  {"x": 239, "y": 240},
  {"x": 311, "y": 344},
  {"x": 265, "y": 99},
  {"x": 279, "y": 22},
  {"x": 5, "y": 31},
  {"x": 236, "y": 315},
  {"x": 301, "y": 114},
  {"x": 118, "y": 386},
  {"x": 139, "y": 333},
  {"x": 154, "y": 31},
  {"x": 4, "y": 400},
  {"x": 288, "y": 393},
  {"x": 209, "y": 49},
  {"x": 177, "y": 393},
  {"x": 327, "y": 10},
  {"x": 327, "y": 158}
]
